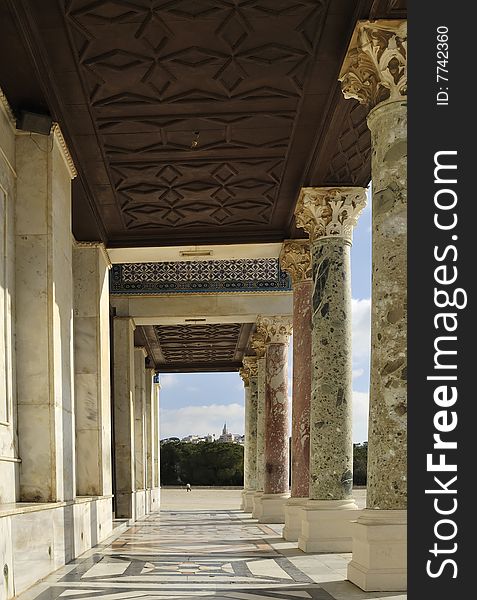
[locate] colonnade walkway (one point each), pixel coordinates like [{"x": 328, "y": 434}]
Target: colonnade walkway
[{"x": 202, "y": 546}]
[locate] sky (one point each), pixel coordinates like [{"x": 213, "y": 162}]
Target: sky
[{"x": 200, "y": 403}]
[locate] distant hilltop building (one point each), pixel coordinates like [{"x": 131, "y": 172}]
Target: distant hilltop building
[{"x": 226, "y": 438}]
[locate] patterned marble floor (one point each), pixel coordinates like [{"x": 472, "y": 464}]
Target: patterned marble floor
[{"x": 216, "y": 553}]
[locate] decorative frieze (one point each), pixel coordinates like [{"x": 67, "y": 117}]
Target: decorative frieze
[
  {"x": 330, "y": 211},
  {"x": 374, "y": 69},
  {"x": 295, "y": 258},
  {"x": 242, "y": 275}
]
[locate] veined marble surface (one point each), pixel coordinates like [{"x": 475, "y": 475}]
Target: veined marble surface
[{"x": 202, "y": 549}]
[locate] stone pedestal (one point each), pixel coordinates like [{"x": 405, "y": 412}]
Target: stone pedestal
[
  {"x": 379, "y": 560},
  {"x": 277, "y": 331},
  {"x": 327, "y": 525},
  {"x": 92, "y": 370},
  {"x": 44, "y": 323},
  {"x": 124, "y": 463},
  {"x": 295, "y": 258},
  {"x": 293, "y": 518},
  {"x": 379, "y": 536},
  {"x": 329, "y": 215}
]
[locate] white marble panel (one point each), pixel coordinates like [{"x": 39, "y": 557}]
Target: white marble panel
[
  {"x": 88, "y": 467},
  {"x": 31, "y": 257},
  {"x": 33, "y": 538},
  {"x": 35, "y": 446},
  {"x": 6, "y": 558},
  {"x": 86, "y": 393},
  {"x": 86, "y": 344},
  {"x": 140, "y": 503},
  {"x": 32, "y": 169},
  {"x": 7, "y": 477}
]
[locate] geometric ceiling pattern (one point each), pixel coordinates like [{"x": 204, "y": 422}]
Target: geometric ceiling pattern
[
  {"x": 193, "y": 122},
  {"x": 196, "y": 347},
  {"x": 194, "y": 103}
]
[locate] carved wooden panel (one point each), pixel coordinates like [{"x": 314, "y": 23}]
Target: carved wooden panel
[
  {"x": 194, "y": 103},
  {"x": 194, "y": 121},
  {"x": 197, "y": 347},
  {"x": 353, "y": 149}
]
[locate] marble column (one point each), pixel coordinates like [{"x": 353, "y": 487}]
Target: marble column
[
  {"x": 92, "y": 369},
  {"x": 258, "y": 345},
  {"x": 329, "y": 216},
  {"x": 124, "y": 388},
  {"x": 140, "y": 355},
  {"x": 374, "y": 73},
  {"x": 295, "y": 258},
  {"x": 156, "y": 440},
  {"x": 152, "y": 434},
  {"x": 245, "y": 376},
  {"x": 277, "y": 331},
  {"x": 44, "y": 318},
  {"x": 249, "y": 375}
]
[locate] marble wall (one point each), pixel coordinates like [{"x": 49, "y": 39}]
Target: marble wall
[
  {"x": 44, "y": 319},
  {"x": 9, "y": 461},
  {"x": 92, "y": 370},
  {"x": 42, "y": 524},
  {"x": 36, "y": 539}
]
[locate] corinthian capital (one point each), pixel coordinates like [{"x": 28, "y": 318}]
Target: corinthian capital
[
  {"x": 330, "y": 212},
  {"x": 258, "y": 343},
  {"x": 250, "y": 363},
  {"x": 375, "y": 66},
  {"x": 245, "y": 375},
  {"x": 275, "y": 330},
  {"x": 295, "y": 258}
]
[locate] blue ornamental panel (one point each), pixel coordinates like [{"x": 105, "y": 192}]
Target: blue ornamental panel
[{"x": 213, "y": 276}]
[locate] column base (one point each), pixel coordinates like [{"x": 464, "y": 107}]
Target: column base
[
  {"x": 125, "y": 505},
  {"x": 273, "y": 508},
  {"x": 326, "y": 525},
  {"x": 257, "y": 504},
  {"x": 293, "y": 517},
  {"x": 153, "y": 496},
  {"x": 247, "y": 501},
  {"x": 379, "y": 562}
]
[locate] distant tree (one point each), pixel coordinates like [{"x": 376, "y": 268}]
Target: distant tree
[
  {"x": 205, "y": 463},
  {"x": 360, "y": 463}
]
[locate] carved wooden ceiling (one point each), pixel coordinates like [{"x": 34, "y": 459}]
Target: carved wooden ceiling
[
  {"x": 191, "y": 121},
  {"x": 195, "y": 347}
]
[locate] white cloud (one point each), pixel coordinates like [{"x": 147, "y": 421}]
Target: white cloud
[
  {"x": 201, "y": 420},
  {"x": 357, "y": 373},
  {"x": 361, "y": 315},
  {"x": 168, "y": 380},
  {"x": 360, "y": 416}
]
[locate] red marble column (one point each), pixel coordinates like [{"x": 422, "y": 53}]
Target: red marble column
[
  {"x": 301, "y": 389},
  {"x": 276, "y": 420},
  {"x": 277, "y": 331},
  {"x": 295, "y": 258}
]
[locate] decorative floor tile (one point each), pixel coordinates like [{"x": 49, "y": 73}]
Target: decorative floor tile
[{"x": 180, "y": 555}]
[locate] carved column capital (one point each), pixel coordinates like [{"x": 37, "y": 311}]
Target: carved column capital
[
  {"x": 330, "y": 212},
  {"x": 375, "y": 66},
  {"x": 250, "y": 363},
  {"x": 245, "y": 375},
  {"x": 295, "y": 258},
  {"x": 258, "y": 343},
  {"x": 276, "y": 330}
]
